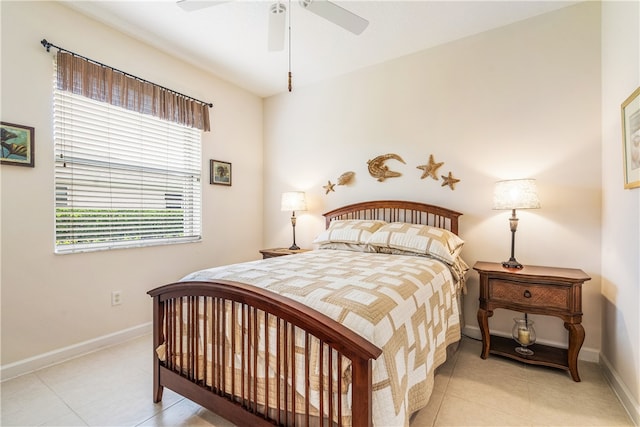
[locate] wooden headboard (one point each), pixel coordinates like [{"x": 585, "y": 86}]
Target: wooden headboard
[{"x": 398, "y": 211}]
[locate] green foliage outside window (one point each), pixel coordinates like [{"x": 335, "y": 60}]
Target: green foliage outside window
[{"x": 102, "y": 225}]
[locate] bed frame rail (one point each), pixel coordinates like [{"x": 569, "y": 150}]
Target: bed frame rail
[{"x": 187, "y": 315}]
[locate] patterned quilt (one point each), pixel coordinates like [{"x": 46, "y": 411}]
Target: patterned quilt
[{"x": 405, "y": 305}]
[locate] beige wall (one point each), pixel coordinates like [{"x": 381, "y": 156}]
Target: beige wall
[
  {"x": 535, "y": 99},
  {"x": 519, "y": 101},
  {"x": 54, "y": 301},
  {"x": 620, "y": 207}
]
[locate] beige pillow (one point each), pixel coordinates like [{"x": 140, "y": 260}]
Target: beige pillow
[
  {"x": 353, "y": 231},
  {"x": 343, "y": 246},
  {"x": 419, "y": 239}
]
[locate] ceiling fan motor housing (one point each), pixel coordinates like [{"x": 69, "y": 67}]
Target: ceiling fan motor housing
[{"x": 278, "y": 8}]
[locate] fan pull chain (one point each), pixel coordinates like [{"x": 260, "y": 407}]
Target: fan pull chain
[{"x": 289, "y": 75}]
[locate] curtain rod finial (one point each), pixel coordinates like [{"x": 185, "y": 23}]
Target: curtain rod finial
[{"x": 46, "y": 44}]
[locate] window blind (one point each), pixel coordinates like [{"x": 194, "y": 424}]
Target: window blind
[{"x": 122, "y": 179}]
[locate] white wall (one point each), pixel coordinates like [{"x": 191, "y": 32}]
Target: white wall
[
  {"x": 518, "y": 101},
  {"x": 620, "y": 207},
  {"x": 54, "y": 301}
]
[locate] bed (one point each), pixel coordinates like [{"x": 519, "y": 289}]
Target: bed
[{"x": 322, "y": 337}]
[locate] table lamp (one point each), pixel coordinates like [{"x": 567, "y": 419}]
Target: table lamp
[
  {"x": 515, "y": 194},
  {"x": 293, "y": 201}
]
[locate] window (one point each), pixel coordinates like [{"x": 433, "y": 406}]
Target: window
[{"x": 122, "y": 178}]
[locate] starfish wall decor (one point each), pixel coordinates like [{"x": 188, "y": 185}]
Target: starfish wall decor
[
  {"x": 329, "y": 187},
  {"x": 450, "y": 181},
  {"x": 430, "y": 169}
]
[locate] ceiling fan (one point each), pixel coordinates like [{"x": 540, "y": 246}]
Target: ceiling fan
[{"x": 277, "y": 16}]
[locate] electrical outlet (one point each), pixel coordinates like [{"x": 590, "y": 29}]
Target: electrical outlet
[{"x": 116, "y": 297}]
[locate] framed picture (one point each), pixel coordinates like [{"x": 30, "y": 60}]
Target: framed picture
[
  {"x": 220, "y": 172},
  {"x": 17, "y": 145},
  {"x": 631, "y": 140}
]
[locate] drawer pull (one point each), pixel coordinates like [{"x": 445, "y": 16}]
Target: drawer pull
[{"x": 527, "y": 294}]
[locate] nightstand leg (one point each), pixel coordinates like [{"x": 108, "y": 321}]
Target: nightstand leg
[
  {"x": 576, "y": 338},
  {"x": 483, "y": 322}
]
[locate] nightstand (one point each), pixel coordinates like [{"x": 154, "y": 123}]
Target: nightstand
[
  {"x": 536, "y": 290},
  {"x": 274, "y": 252}
]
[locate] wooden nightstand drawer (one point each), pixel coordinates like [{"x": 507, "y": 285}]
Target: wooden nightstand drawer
[{"x": 529, "y": 295}]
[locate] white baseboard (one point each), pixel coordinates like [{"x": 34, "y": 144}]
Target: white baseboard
[
  {"x": 34, "y": 363},
  {"x": 586, "y": 354},
  {"x": 620, "y": 389}
]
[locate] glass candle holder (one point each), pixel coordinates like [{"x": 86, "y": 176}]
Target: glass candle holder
[{"x": 524, "y": 334}]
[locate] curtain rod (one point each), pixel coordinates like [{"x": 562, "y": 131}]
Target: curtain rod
[{"x": 48, "y": 46}]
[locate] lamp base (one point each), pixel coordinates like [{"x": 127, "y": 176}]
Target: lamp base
[
  {"x": 294, "y": 247},
  {"x": 512, "y": 263}
]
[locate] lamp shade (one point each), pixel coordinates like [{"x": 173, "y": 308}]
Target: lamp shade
[
  {"x": 516, "y": 194},
  {"x": 293, "y": 201}
]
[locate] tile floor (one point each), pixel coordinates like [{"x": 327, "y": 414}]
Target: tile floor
[{"x": 112, "y": 387}]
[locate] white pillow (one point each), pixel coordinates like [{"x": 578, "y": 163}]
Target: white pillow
[
  {"x": 352, "y": 231},
  {"x": 419, "y": 239}
]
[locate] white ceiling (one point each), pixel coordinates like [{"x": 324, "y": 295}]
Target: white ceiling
[{"x": 230, "y": 39}]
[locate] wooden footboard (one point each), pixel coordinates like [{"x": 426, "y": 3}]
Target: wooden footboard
[{"x": 205, "y": 333}]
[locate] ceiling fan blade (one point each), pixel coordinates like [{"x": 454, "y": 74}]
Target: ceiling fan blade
[
  {"x": 277, "y": 23},
  {"x": 336, "y": 14},
  {"x": 192, "y": 5}
]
